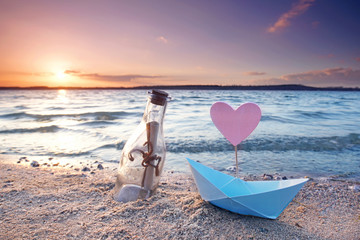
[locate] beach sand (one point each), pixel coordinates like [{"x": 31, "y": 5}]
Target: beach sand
[{"x": 62, "y": 203}]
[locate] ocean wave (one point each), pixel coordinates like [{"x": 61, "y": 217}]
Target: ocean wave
[
  {"x": 48, "y": 129},
  {"x": 21, "y": 107},
  {"x": 61, "y": 154},
  {"x": 56, "y": 108},
  {"x": 314, "y": 115},
  {"x": 278, "y": 119},
  {"x": 282, "y": 143},
  {"x": 104, "y": 116},
  {"x": 85, "y": 152},
  {"x": 14, "y": 115},
  {"x": 96, "y": 123},
  {"x": 118, "y": 146}
]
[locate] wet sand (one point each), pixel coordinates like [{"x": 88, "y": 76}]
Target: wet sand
[{"x": 53, "y": 202}]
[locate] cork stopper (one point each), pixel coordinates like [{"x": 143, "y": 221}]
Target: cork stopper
[{"x": 158, "y": 97}]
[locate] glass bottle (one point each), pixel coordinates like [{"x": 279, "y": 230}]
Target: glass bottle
[{"x": 143, "y": 156}]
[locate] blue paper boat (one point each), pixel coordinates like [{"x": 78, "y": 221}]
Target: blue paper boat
[{"x": 266, "y": 199}]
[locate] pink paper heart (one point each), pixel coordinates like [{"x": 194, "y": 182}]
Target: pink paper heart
[{"x": 235, "y": 125}]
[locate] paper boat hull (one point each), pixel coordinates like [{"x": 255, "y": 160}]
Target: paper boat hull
[{"x": 266, "y": 199}]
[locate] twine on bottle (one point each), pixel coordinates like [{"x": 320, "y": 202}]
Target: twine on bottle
[{"x": 147, "y": 158}]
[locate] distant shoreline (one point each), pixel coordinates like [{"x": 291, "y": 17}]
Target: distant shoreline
[{"x": 287, "y": 87}]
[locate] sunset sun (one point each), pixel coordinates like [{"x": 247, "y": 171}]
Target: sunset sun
[{"x": 61, "y": 75}]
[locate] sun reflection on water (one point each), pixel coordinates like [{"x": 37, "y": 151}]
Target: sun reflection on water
[{"x": 62, "y": 95}]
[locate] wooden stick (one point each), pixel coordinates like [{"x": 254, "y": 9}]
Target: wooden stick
[{"x": 237, "y": 165}]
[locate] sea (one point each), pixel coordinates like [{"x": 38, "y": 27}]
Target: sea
[{"x": 301, "y": 133}]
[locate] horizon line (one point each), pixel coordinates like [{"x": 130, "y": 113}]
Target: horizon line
[{"x": 193, "y": 87}]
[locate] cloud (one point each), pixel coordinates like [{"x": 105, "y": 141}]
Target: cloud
[
  {"x": 162, "y": 39},
  {"x": 327, "y": 56},
  {"x": 357, "y": 59},
  {"x": 315, "y": 24},
  {"x": 284, "y": 20},
  {"x": 253, "y": 73},
  {"x": 38, "y": 74},
  {"x": 346, "y": 77},
  {"x": 71, "y": 72},
  {"x": 200, "y": 68},
  {"x": 115, "y": 78}
]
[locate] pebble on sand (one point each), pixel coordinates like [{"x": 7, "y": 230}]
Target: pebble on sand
[
  {"x": 23, "y": 158},
  {"x": 34, "y": 164},
  {"x": 268, "y": 177},
  {"x": 355, "y": 188},
  {"x": 86, "y": 169}
]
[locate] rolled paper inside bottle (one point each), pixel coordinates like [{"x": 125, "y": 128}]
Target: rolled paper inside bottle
[{"x": 152, "y": 129}]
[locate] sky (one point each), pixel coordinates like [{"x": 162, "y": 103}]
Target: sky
[{"x": 118, "y": 43}]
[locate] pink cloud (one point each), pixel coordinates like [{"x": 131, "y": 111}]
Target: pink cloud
[
  {"x": 315, "y": 24},
  {"x": 330, "y": 55},
  {"x": 162, "y": 39},
  {"x": 330, "y": 77},
  {"x": 357, "y": 59},
  {"x": 284, "y": 19},
  {"x": 104, "y": 77},
  {"x": 253, "y": 73}
]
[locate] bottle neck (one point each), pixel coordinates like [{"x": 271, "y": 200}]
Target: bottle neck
[{"x": 154, "y": 112}]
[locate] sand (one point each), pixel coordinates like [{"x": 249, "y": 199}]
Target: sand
[{"x": 61, "y": 203}]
